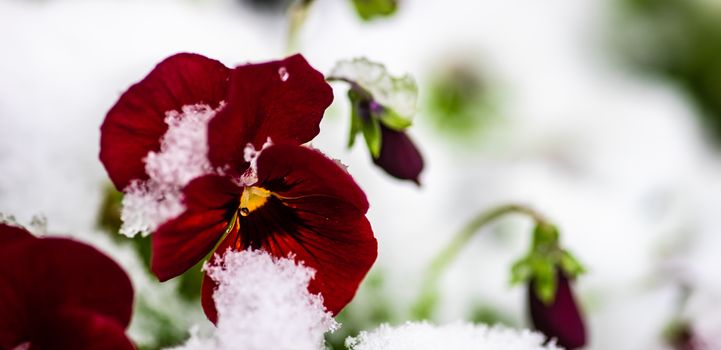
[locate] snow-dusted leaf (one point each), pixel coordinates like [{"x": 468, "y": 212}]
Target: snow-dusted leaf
[{"x": 398, "y": 95}]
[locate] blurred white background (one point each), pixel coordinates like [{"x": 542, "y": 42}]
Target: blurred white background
[{"x": 616, "y": 159}]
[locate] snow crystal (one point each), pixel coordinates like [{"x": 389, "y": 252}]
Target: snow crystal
[
  {"x": 457, "y": 336},
  {"x": 397, "y": 93},
  {"x": 182, "y": 157},
  {"x": 250, "y": 155},
  {"x": 263, "y": 303}
]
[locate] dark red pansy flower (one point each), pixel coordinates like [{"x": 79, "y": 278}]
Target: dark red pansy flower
[
  {"x": 60, "y": 294},
  {"x": 561, "y": 319},
  {"x": 260, "y": 188}
]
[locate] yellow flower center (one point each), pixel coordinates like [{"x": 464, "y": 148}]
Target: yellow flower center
[{"x": 252, "y": 199}]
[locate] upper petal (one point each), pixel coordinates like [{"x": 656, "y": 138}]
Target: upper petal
[
  {"x": 134, "y": 126},
  {"x": 181, "y": 242},
  {"x": 10, "y": 234},
  {"x": 40, "y": 276},
  {"x": 297, "y": 172},
  {"x": 282, "y": 100},
  {"x": 399, "y": 157}
]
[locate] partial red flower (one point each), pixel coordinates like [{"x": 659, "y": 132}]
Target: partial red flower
[
  {"x": 259, "y": 189},
  {"x": 561, "y": 319},
  {"x": 58, "y": 294}
]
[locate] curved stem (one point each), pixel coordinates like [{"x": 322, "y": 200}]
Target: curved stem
[
  {"x": 423, "y": 306},
  {"x": 296, "y": 14}
]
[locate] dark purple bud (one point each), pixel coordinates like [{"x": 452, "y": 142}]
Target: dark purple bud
[
  {"x": 561, "y": 319},
  {"x": 683, "y": 338},
  {"x": 399, "y": 157}
]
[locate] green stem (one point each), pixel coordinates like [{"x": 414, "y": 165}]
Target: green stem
[
  {"x": 424, "y": 305},
  {"x": 297, "y": 15}
]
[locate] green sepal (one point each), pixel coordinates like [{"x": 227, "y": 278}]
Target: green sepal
[
  {"x": 356, "y": 124},
  {"x": 521, "y": 271},
  {"x": 370, "y": 126},
  {"x": 393, "y": 120},
  {"x": 545, "y": 238},
  {"x": 369, "y": 9},
  {"x": 545, "y": 259},
  {"x": 372, "y": 135},
  {"x": 570, "y": 266},
  {"x": 544, "y": 279}
]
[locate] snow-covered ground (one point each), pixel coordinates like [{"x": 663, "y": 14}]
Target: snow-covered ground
[{"x": 618, "y": 162}]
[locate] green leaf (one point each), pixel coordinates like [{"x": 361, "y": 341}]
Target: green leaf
[
  {"x": 394, "y": 120},
  {"x": 369, "y": 9}
]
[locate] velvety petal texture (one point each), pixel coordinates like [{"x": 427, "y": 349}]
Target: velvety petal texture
[
  {"x": 561, "y": 319},
  {"x": 282, "y": 100},
  {"x": 399, "y": 157},
  {"x": 135, "y": 124},
  {"x": 182, "y": 242},
  {"x": 64, "y": 283},
  {"x": 317, "y": 214}
]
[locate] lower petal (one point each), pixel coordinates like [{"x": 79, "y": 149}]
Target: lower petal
[
  {"x": 182, "y": 242},
  {"x": 42, "y": 275},
  {"x": 80, "y": 329}
]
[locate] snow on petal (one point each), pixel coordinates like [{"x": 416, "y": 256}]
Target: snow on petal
[
  {"x": 250, "y": 155},
  {"x": 397, "y": 93},
  {"x": 456, "y": 336},
  {"x": 263, "y": 303},
  {"x": 182, "y": 158}
]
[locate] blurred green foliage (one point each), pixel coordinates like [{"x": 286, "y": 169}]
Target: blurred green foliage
[
  {"x": 155, "y": 321},
  {"x": 460, "y": 102},
  {"x": 370, "y": 9},
  {"x": 681, "y": 41},
  {"x": 482, "y": 313},
  {"x": 370, "y": 308}
]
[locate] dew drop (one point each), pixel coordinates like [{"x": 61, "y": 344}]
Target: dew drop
[
  {"x": 244, "y": 211},
  {"x": 283, "y": 74}
]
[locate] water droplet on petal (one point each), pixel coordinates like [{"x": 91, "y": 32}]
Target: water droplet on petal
[{"x": 283, "y": 73}]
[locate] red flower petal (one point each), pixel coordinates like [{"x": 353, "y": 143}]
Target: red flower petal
[
  {"x": 561, "y": 319},
  {"x": 317, "y": 212},
  {"x": 296, "y": 171},
  {"x": 181, "y": 242},
  {"x": 40, "y": 276},
  {"x": 80, "y": 329},
  {"x": 134, "y": 126},
  {"x": 207, "y": 290},
  {"x": 399, "y": 157},
  {"x": 283, "y": 100},
  {"x": 10, "y": 234}
]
